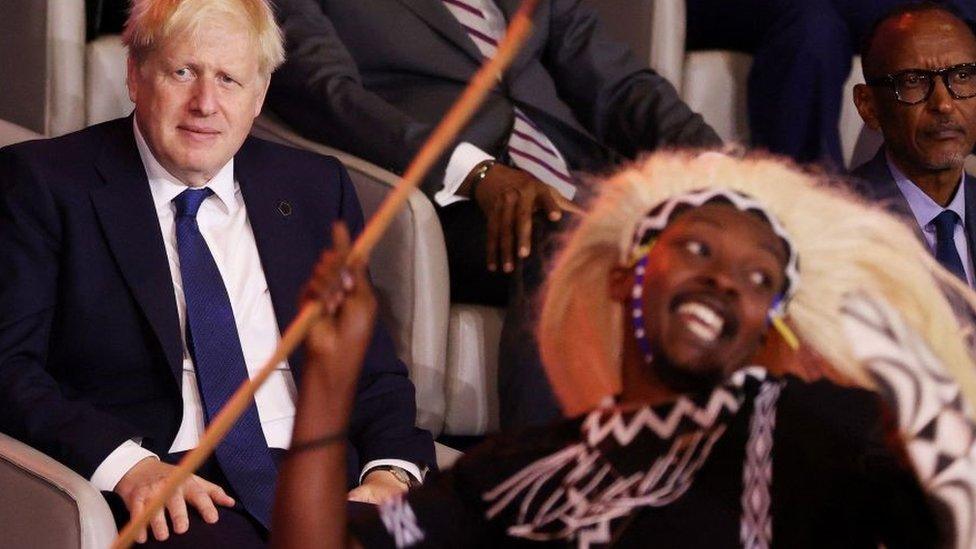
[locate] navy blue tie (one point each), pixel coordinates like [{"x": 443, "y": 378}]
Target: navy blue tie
[
  {"x": 243, "y": 455},
  {"x": 945, "y": 243}
]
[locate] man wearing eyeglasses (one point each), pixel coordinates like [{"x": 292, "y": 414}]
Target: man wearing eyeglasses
[{"x": 920, "y": 68}]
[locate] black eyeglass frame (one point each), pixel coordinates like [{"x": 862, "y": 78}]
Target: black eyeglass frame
[{"x": 891, "y": 81}]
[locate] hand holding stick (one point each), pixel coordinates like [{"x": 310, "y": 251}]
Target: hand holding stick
[{"x": 445, "y": 132}]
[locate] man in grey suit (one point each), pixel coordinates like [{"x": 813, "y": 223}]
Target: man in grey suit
[
  {"x": 373, "y": 77},
  {"x": 920, "y": 69}
]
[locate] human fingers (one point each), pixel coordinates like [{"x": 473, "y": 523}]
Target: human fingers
[
  {"x": 203, "y": 496},
  {"x": 355, "y": 280},
  {"x": 493, "y": 231},
  {"x": 135, "y": 509},
  {"x": 341, "y": 241},
  {"x": 329, "y": 280},
  {"x": 217, "y": 494},
  {"x": 547, "y": 202},
  {"x": 524, "y": 209},
  {"x": 324, "y": 284},
  {"x": 507, "y": 230},
  {"x": 158, "y": 526},
  {"x": 362, "y": 494},
  {"x": 176, "y": 506},
  {"x": 202, "y": 502},
  {"x": 567, "y": 205}
]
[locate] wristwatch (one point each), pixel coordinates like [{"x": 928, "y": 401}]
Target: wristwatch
[{"x": 400, "y": 474}]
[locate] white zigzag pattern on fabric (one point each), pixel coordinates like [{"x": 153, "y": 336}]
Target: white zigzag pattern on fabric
[
  {"x": 625, "y": 432},
  {"x": 591, "y": 496},
  {"x": 582, "y": 506}
]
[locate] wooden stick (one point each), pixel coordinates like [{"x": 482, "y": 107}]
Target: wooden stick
[{"x": 445, "y": 132}]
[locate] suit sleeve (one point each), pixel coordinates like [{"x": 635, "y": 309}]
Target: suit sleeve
[
  {"x": 622, "y": 102},
  {"x": 382, "y": 425},
  {"x": 319, "y": 92},
  {"x": 36, "y": 407}
]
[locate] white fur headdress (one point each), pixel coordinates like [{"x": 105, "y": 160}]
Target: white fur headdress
[{"x": 844, "y": 245}]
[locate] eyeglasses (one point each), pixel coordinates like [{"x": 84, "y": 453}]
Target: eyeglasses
[{"x": 914, "y": 86}]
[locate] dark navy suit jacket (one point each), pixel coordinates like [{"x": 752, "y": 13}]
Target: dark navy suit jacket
[
  {"x": 90, "y": 347},
  {"x": 875, "y": 182}
]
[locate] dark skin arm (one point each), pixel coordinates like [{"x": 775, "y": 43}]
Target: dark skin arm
[{"x": 311, "y": 497}]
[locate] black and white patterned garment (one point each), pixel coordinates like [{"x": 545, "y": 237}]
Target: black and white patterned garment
[
  {"x": 756, "y": 463},
  {"x": 930, "y": 411}
]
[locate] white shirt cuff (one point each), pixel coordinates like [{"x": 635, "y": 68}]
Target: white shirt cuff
[
  {"x": 118, "y": 463},
  {"x": 464, "y": 158},
  {"x": 410, "y": 468}
]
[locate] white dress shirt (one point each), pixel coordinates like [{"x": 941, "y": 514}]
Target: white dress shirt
[
  {"x": 925, "y": 210},
  {"x": 225, "y": 227}
]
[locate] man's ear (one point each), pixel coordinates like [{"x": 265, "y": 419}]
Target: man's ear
[
  {"x": 864, "y": 100},
  {"x": 259, "y": 104},
  {"x": 131, "y": 77},
  {"x": 621, "y": 281}
]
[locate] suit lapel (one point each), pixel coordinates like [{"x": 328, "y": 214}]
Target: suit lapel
[
  {"x": 436, "y": 14},
  {"x": 540, "y": 20},
  {"x": 884, "y": 191},
  {"x": 971, "y": 219},
  {"x": 125, "y": 210},
  {"x": 280, "y": 239}
]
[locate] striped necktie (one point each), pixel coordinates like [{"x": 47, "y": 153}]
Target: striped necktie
[{"x": 528, "y": 147}]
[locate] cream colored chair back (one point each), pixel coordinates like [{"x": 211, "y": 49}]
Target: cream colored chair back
[{"x": 42, "y": 63}]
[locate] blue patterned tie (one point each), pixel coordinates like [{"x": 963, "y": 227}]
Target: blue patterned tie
[
  {"x": 212, "y": 338},
  {"x": 945, "y": 243}
]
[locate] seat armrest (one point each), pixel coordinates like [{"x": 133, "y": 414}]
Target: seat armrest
[
  {"x": 667, "y": 34},
  {"x": 409, "y": 271},
  {"x": 474, "y": 333},
  {"x": 446, "y": 456},
  {"x": 12, "y": 133},
  {"x": 106, "y": 95},
  {"x": 270, "y": 127},
  {"x": 47, "y": 505}
]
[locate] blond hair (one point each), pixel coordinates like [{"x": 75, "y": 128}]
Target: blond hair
[
  {"x": 153, "y": 22},
  {"x": 844, "y": 244}
]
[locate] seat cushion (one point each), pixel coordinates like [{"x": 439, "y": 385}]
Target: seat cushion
[
  {"x": 714, "y": 85},
  {"x": 474, "y": 332}
]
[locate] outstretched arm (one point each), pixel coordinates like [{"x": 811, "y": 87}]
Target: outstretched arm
[{"x": 311, "y": 498}]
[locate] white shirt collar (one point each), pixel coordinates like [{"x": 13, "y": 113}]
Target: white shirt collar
[
  {"x": 165, "y": 186},
  {"x": 923, "y": 207}
]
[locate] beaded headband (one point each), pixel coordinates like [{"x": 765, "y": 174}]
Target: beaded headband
[{"x": 648, "y": 228}]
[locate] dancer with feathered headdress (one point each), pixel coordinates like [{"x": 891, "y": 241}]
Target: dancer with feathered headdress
[{"x": 684, "y": 432}]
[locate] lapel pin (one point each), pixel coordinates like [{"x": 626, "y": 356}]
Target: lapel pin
[{"x": 284, "y": 208}]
